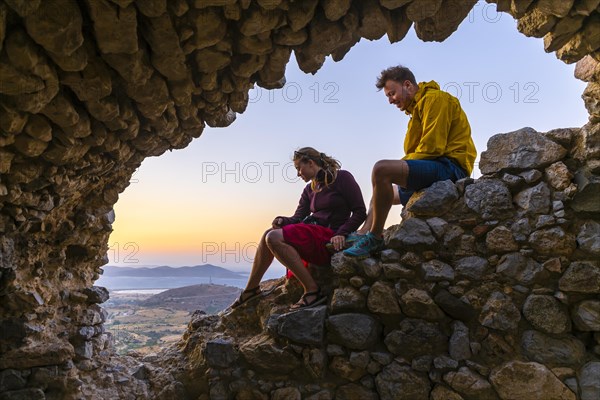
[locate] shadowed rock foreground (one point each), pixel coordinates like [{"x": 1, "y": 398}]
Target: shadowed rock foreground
[{"x": 90, "y": 88}]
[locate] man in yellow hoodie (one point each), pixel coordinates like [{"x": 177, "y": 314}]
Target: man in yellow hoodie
[{"x": 438, "y": 146}]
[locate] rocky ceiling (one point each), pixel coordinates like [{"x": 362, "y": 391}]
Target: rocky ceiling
[{"x": 90, "y": 88}]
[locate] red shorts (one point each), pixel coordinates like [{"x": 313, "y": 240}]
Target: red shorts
[{"x": 309, "y": 240}]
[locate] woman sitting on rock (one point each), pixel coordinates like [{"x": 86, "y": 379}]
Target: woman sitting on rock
[{"x": 331, "y": 207}]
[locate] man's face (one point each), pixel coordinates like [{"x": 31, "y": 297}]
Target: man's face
[{"x": 399, "y": 94}]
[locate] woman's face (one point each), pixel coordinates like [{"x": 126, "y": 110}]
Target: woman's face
[{"x": 307, "y": 170}]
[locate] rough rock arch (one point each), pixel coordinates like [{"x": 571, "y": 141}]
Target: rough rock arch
[{"x": 90, "y": 88}]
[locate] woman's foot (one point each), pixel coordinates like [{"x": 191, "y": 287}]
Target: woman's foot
[
  {"x": 246, "y": 296},
  {"x": 309, "y": 300}
]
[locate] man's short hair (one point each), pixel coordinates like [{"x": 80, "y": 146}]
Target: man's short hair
[{"x": 398, "y": 74}]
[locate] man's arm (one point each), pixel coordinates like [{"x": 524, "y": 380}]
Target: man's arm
[{"x": 435, "y": 123}]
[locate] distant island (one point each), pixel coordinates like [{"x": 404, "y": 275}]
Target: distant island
[{"x": 202, "y": 271}]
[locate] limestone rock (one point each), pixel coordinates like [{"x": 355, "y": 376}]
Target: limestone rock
[
  {"x": 336, "y": 9},
  {"x": 264, "y": 354},
  {"x": 588, "y": 381},
  {"x": 519, "y": 150},
  {"x": 552, "y": 242},
  {"x": 353, "y": 391},
  {"x": 220, "y": 353},
  {"x": 501, "y": 240},
  {"x": 347, "y": 299},
  {"x": 435, "y": 270},
  {"x": 418, "y": 304},
  {"x": 489, "y": 198},
  {"x": 443, "y": 393},
  {"x": 411, "y": 233},
  {"x": 547, "y": 314},
  {"x": 500, "y": 313},
  {"x": 534, "y": 200},
  {"x": 371, "y": 267},
  {"x": 454, "y": 307},
  {"x": 472, "y": 268},
  {"x": 115, "y": 27},
  {"x": 528, "y": 381},
  {"x": 552, "y": 351},
  {"x": 56, "y": 26},
  {"x": 382, "y": 300},
  {"x": 586, "y": 315},
  {"x": 558, "y": 176},
  {"x": 436, "y": 200},
  {"x": 555, "y": 7},
  {"x": 445, "y": 21},
  {"x": 536, "y": 23},
  {"x": 520, "y": 268},
  {"x": 588, "y": 190},
  {"x": 459, "y": 345},
  {"x": 588, "y": 237},
  {"x": 470, "y": 384},
  {"x": 344, "y": 369},
  {"x": 398, "y": 382},
  {"x": 581, "y": 277},
  {"x": 355, "y": 331},
  {"x": 304, "y": 326},
  {"x": 96, "y": 294},
  {"x": 415, "y": 337}
]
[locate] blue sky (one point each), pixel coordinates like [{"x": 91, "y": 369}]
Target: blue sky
[{"x": 211, "y": 201}]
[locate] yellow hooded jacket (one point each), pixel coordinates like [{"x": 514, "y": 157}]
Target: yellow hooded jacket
[{"x": 438, "y": 127}]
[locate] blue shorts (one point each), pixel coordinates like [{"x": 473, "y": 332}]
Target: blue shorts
[{"x": 424, "y": 173}]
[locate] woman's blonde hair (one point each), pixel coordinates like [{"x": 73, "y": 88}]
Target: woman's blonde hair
[{"x": 329, "y": 164}]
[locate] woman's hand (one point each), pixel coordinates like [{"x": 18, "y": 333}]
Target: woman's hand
[
  {"x": 277, "y": 223},
  {"x": 338, "y": 242}
]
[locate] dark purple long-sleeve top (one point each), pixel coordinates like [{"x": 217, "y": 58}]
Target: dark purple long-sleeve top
[{"x": 339, "y": 206}]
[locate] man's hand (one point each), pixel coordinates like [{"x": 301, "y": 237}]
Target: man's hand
[
  {"x": 338, "y": 242},
  {"x": 276, "y": 224}
]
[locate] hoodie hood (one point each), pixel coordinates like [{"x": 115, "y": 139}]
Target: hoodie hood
[{"x": 423, "y": 88}]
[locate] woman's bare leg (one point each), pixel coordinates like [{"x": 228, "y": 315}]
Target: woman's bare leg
[
  {"x": 262, "y": 261},
  {"x": 289, "y": 257}
]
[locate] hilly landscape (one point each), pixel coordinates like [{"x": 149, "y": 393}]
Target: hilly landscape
[
  {"x": 206, "y": 270},
  {"x": 145, "y": 321}
]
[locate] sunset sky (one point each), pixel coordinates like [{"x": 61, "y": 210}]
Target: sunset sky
[{"x": 210, "y": 202}]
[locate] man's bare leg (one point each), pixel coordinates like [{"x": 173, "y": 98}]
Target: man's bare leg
[
  {"x": 385, "y": 173},
  {"x": 369, "y": 221}
]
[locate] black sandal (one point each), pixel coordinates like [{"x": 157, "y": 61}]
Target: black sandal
[
  {"x": 252, "y": 294},
  {"x": 303, "y": 303}
]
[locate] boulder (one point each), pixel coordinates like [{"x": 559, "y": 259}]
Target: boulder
[
  {"x": 399, "y": 382},
  {"x": 500, "y": 313},
  {"x": 581, "y": 277},
  {"x": 528, "y": 381},
  {"x": 489, "y": 198},
  {"x": 355, "y": 331},
  {"x": 415, "y": 337},
  {"x": 304, "y": 326},
  {"x": 519, "y": 150},
  {"x": 547, "y": 314},
  {"x": 436, "y": 200},
  {"x": 552, "y": 351}
]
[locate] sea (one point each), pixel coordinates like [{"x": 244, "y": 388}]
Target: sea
[{"x": 166, "y": 282}]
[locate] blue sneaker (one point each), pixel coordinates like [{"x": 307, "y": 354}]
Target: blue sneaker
[
  {"x": 353, "y": 238},
  {"x": 365, "y": 246},
  {"x": 350, "y": 240}
]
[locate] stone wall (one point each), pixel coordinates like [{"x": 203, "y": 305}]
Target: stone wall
[
  {"x": 488, "y": 289},
  {"x": 90, "y": 88}
]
